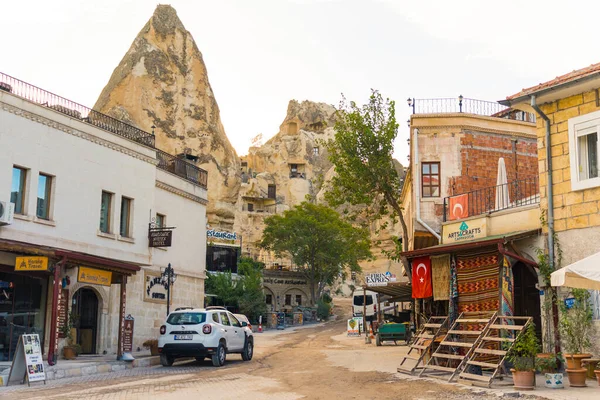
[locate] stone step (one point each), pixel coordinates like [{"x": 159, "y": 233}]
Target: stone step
[{"x": 65, "y": 369}]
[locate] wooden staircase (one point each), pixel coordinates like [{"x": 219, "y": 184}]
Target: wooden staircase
[{"x": 422, "y": 342}]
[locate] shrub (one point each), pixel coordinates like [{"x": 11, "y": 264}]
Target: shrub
[{"x": 323, "y": 309}]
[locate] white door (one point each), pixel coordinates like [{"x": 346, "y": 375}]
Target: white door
[
  {"x": 238, "y": 331},
  {"x": 229, "y": 333}
]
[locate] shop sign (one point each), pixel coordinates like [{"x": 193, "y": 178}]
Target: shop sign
[
  {"x": 63, "y": 311},
  {"x": 355, "y": 326},
  {"x": 466, "y": 230},
  {"x": 214, "y": 236},
  {"x": 284, "y": 281},
  {"x": 31, "y": 264},
  {"x": 156, "y": 288},
  {"x": 128, "y": 334},
  {"x": 380, "y": 278},
  {"x": 27, "y": 363},
  {"x": 94, "y": 276},
  {"x": 160, "y": 237}
]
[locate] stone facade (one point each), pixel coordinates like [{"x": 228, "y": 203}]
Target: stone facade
[{"x": 279, "y": 284}]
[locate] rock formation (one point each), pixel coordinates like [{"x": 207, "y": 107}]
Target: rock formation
[{"x": 162, "y": 81}]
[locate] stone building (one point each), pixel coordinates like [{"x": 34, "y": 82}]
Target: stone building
[{"x": 285, "y": 290}]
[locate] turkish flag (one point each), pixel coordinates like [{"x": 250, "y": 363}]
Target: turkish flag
[
  {"x": 421, "y": 278},
  {"x": 459, "y": 207}
]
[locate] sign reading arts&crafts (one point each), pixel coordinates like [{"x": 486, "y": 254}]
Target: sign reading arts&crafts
[
  {"x": 380, "y": 278},
  {"x": 94, "y": 276},
  {"x": 465, "y": 231},
  {"x": 31, "y": 264}
]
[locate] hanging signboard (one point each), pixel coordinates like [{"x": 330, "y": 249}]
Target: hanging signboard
[
  {"x": 31, "y": 264},
  {"x": 27, "y": 363},
  {"x": 160, "y": 237},
  {"x": 380, "y": 278},
  {"x": 94, "y": 276}
]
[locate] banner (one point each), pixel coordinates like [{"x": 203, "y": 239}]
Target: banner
[
  {"x": 421, "y": 278},
  {"x": 458, "y": 207}
]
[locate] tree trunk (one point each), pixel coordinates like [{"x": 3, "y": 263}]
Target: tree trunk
[{"x": 394, "y": 204}]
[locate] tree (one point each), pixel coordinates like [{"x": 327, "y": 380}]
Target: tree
[
  {"x": 321, "y": 244},
  {"x": 366, "y": 183}
]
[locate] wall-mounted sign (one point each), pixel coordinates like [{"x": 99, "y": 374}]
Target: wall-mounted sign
[
  {"x": 156, "y": 288},
  {"x": 160, "y": 237},
  {"x": 31, "y": 264},
  {"x": 569, "y": 302},
  {"x": 221, "y": 235},
  {"x": 380, "y": 278},
  {"x": 465, "y": 231},
  {"x": 284, "y": 281},
  {"x": 128, "y": 334},
  {"x": 63, "y": 311},
  {"x": 94, "y": 276}
]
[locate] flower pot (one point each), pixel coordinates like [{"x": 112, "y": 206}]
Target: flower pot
[
  {"x": 597, "y": 372},
  {"x": 574, "y": 360},
  {"x": 554, "y": 381},
  {"x": 577, "y": 377},
  {"x": 154, "y": 350},
  {"x": 523, "y": 380},
  {"x": 69, "y": 353}
]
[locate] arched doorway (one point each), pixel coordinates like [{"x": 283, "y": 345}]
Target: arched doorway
[
  {"x": 527, "y": 295},
  {"x": 85, "y": 305}
]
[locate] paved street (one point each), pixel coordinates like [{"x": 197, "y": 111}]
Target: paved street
[{"x": 311, "y": 363}]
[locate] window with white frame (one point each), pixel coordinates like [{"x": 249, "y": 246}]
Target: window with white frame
[{"x": 583, "y": 151}]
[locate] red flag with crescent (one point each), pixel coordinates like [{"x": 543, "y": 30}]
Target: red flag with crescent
[
  {"x": 421, "y": 278},
  {"x": 459, "y": 207}
]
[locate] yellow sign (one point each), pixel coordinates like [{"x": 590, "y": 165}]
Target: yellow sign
[
  {"x": 31, "y": 264},
  {"x": 95, "y": 276},
  {"x": 465, "y": 231}
]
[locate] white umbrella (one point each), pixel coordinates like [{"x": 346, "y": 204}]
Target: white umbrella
[
  {"x": 502, "y": 200},
  {"x": 583, "y": 274}
]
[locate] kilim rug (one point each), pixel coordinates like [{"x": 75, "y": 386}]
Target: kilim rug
[
  {"x": 478, "y": 282},
  {"x": 508, "y": 290},
  {"x": 440, "y": 274}
]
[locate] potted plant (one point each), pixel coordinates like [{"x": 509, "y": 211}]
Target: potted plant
[
  {"x": 71, "y": 350},
  {"x": 522, "y": 355},
  {"x": 576, "y": 329},
  {"x": 151, "y": 344}
]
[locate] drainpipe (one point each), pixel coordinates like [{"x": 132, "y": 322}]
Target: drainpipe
[
  {"x": 417, "y": 181},
  {"x": 549, "y": 191}
]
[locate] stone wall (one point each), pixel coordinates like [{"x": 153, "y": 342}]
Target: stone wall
[{"x": 279, "y": 283}]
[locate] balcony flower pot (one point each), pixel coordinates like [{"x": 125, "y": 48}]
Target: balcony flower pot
[
  {"x": 574, "y": 360},
  {"x": 523, "y": 380},
  {"x": 577, "y": 377}
]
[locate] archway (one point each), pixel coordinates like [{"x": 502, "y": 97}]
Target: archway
[
  {"x": 527, "y": 295},
  {"x": 86, "y": 307}
]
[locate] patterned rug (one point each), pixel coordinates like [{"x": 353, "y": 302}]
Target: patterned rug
[
  {"x": 440, "y": 273},
  {"x": 478, "y": 282}
]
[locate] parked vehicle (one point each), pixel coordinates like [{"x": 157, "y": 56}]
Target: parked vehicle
[
  {"x": 371, "y": 305},
  {"x": 203, "y": 333},
  {"x": 243, "y": 318}
]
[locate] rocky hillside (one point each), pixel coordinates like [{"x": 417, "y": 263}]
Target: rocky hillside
[{"x": 162, "y": 81}]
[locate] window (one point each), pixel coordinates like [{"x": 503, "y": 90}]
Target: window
[
  {"x": 430, "y": 179},
  {"x": 294, "y": 168},
  {"x": 288, "y": 299},
  {"x": 250, "y": 207},
  {"x": 186, "y": 318},
  {"x": 125, "y": 227},
  {"x": 221, "y": 259},
  {"x": 105, "y": 212},
  {"x": 316, "y": 151},
  {"x": 17, "y": 191},
  {"x": 583, "y": 150},
  {"x": 298, "y": 300},
  {"x": 215, "y": 317},
  {"x": 161, "y": 221},
  {"x": 224, "y": 319},
  {"x": 269, "y": 299},
  {"x": 244, "y": 164},
  {"x": 272, "y": 192},
  {"x": 234, "y": 321},
  {"x": 43, "y": 197}
]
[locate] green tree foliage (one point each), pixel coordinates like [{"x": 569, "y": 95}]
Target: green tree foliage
[
  {"x": 243, "y": 293},
  {"x": 576, "y": 326},
  {"x": 366, "y": 182},
  {"x": 321, "y": 244}
]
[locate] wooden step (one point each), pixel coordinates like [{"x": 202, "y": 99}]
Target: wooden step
[
  {"x": 498, "y": 339},
  {"x": 457, "y": 344},
  {"x": 472, "y": 320},
  {"x": 416, "y": 346},
  {"x": 440, "y": 368},
  {"x": 483, "y": 364},
  {"x": 426, "y": 336},
  {"x": 475, "y": 377},
  {"x": 489, "y": 351},
  {"x": 507, "y": 327},
  {"x": 432, "y": 325},
  {"x": 411, "y": 357},
  {"x": 453, "y": 332},
  {"x": 451, "y": 356}
]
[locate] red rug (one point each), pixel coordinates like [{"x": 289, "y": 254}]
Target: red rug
[{"x": 478, "y": 282}]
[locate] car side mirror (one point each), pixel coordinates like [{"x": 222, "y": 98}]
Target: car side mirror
[{"x": 244, "y": 324}]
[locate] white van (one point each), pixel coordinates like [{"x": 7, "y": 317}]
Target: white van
[{"x": 371, "y": 304}]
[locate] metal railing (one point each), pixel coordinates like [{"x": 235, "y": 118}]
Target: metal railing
[
  {"x": 167, "y": 162},
  {"x": 469, "y": 106},
  {"x": 491, "y": 199},
  {"x": 297, "y": 174},
  {"x": 182, "y": 168},
  {"x": 270, "y": 209}
]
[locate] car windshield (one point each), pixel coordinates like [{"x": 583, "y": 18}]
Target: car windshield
[{"x": 186, "y": 318}]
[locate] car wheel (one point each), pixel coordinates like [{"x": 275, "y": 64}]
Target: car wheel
[
  {"x": 166, "y": 361},
  {"x": 218, "y": 359},
  {"x": 248, "y": 350}
]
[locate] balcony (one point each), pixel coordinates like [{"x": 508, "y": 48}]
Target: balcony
[
  {"x": 182, "y": 168},
  {"x": 266, "y": 209},
  {"x": 468, "y": 106}
]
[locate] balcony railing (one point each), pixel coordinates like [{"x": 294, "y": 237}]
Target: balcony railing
[
  {"x": 297, "y": 174},
  {"x": 491, "y": 199},
  {"x": 469, "y": 106},
  {"x": 166, "y": 161}
]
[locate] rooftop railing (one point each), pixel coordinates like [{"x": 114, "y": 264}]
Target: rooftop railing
[
  {"x": 468, "y": 106},
  {"x": 491, "y": 199},
  {"x": 167, "y": 162}
]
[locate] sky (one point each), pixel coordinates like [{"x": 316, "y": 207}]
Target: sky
[{"x": 262, "y": 53}]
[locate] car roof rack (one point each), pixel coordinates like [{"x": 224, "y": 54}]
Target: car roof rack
[
  {"x": 184, "y": 308},
  {"x": 215, "y": 308}
]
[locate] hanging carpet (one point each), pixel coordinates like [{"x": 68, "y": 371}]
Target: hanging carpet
[
  {"x": 478, "y": 282},
  {"x": 440, "y": 269}
]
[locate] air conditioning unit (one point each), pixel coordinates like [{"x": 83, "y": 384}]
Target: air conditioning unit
[{"x": 7, "y": 211}]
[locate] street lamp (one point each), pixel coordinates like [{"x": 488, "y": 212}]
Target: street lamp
[
  {"x": 411, "y": 103},
  {"x": 168, "y": 278},
  {"x": 460, "y": 99}
]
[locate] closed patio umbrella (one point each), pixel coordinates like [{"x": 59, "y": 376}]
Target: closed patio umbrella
[
  {"x": 502, "y": 199},
  {"x": 583, "y": 274}
]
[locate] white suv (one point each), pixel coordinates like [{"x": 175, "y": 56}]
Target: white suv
[{"x": 201, "y": 333}]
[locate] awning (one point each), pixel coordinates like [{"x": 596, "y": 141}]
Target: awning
[
  {"x": 398, "y": 291},
  {"x": 583, "y": 274}
]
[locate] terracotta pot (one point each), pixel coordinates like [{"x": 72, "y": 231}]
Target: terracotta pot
[
  {"x": 69, "y": 353},
  {"x": 577, "y": 377},
  {"x": 597, "y": 372},
  {"x": 574, "y": 360},
  {"x": 523, "y": 380},
  {"x": 154, "y": 350}
]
